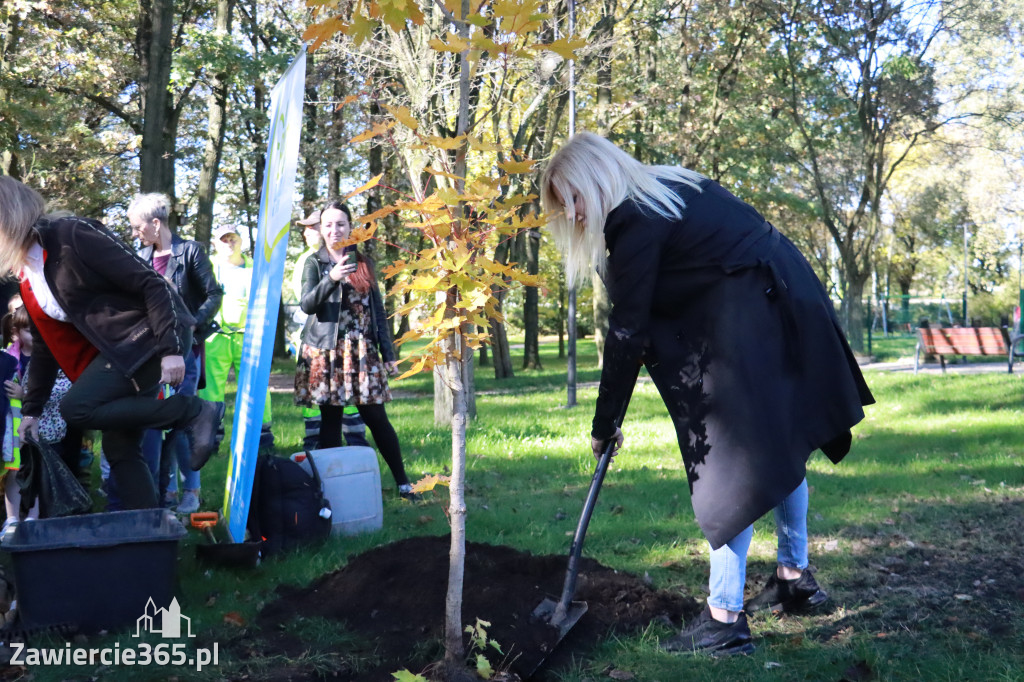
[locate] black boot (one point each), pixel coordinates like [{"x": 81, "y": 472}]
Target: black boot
[{"x": 789, "y": 596}]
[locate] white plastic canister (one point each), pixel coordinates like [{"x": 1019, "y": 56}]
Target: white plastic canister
[{"x": 351, "y": 479}]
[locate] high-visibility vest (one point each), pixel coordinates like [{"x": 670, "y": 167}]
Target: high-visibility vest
[{"x": 11, "y": 441}]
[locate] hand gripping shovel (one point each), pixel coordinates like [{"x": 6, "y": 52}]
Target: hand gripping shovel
[{"x": 564, "y": 614}]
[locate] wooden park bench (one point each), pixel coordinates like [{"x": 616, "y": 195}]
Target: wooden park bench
[{"x": 954, "y": 341}]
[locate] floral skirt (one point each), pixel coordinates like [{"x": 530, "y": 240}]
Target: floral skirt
[{"x": 351, "y": 374}]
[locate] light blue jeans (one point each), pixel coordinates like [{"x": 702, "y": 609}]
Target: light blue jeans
[
  {"x": 178, "y": 441},
  {"x": 729, "y": 562}
]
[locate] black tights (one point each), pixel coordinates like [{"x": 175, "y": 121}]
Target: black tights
[{"x": 376, "y": 419}]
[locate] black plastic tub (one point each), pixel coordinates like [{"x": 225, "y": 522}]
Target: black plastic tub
[{"x": 96, "y": 571}]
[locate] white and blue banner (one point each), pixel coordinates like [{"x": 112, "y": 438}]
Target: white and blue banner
[{"x": 269, "y": 254}]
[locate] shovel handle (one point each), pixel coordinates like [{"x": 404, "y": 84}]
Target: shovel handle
[{"x": 569, "y": 587}]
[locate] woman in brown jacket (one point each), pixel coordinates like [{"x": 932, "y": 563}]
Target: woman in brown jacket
[{"x": 116, "y": 328}]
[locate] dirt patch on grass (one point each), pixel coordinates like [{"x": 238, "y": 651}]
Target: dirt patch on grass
[{"x": 392, "y": 599}]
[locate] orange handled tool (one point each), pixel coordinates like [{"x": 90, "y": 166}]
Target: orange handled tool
[{"x": 206, "y": 522}]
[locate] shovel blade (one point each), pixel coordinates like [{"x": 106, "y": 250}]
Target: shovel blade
[
  {"x": 548, "y": 614},
  {"x": 550, "y": 627}
]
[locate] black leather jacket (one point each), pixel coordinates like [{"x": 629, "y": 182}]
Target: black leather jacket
[
  {"x": 191, "y": 273},
  {"x": 322, "y": 299},
  {"x": 117, "y": 301}
]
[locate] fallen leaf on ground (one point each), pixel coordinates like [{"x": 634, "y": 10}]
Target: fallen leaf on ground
[{"x": 234, "y": 618}]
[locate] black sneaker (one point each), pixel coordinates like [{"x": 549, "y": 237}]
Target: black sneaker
[
  {"x": 704, "y": 634},
  {"x": 789, "y": 596},
  {"x": 202, "y": 433}
]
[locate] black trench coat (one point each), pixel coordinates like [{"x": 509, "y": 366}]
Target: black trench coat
[{"x": 743, "y": 344}]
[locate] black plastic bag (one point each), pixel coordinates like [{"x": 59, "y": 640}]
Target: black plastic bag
[{"x": 44, "y": 475}]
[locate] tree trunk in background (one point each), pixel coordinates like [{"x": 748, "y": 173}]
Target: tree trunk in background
[
  {"x": 851, "y": 313},
  {"x": 156, "y": 158},
  {"x": 531, "y": 305},
  {"x": 217, "y": 102},
  {"x": 310, "y": 132},
  {"x": 259, "y": 146},
  {"x": 602, "y": 308},
  {"x": 376, "y": 167},
  {"x": 483, "y": 360},
  {"x": 335, "y": 139},
  {"x": 562, "y": 314},
  {"x": 499, "y": 336},
  {"x": 10, "y": 29}
]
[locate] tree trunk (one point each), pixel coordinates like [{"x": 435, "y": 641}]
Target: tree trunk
[
  {"x": 482, "y": 362},
  {"x": 206, "y": 192},
  {"x": 376, "y": 167},
  {"x": 602, "y": 308},
  {"x": 454, "y": 648},
  {"x": 531, "y": 305},
  {"x": 561, "y": 315},
  {"x": 310, "y": 155},
  {"x": 336, "y": 138},
  {"x": 460, "y": 362},
  {"x": 851, "y": 312},
  {"x": 156, "y": 160},
  {"x": 11, "y": 31}
]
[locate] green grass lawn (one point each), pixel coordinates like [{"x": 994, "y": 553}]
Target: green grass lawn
[{"x": 916, "y": 535}]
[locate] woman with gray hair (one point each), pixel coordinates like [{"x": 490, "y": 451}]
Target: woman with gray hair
[
  {"x": 184, "y": 264},
  {"x": 116, "y": 328},
  {"x": 742, "y": 343}
]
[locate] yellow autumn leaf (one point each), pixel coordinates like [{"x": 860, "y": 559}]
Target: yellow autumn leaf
[
  {"x": 373, "y": 182},
  {"x": 481, "y": 146},
  {"x": 411, "y": 335},
  {"x": 564, "y": 47},
  {"x": 484, "y": 44},
  {"x": 514, "y": 167},
  {"x": 317, "y": 34},
  {"x": 374, "y": 131},
  {"x": 446, "y": 174},
  {"x": 404, "y": 116},
  {"x": 425, "y": 283},
  {"x": 361, "y": 28},
  {"x": 429, "y": 482},
  {"x": 444, "y": 142},
  {"x": 393, "y": 269},
  {"x": 347, "y": 100},
  {"x": 377, "y": 215},
  {"x": 509, "y": 8},
  {"x": 454, "y": 44}
]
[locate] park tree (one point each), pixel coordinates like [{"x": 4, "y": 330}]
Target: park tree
[
  {"x": 859, "y": 83},
  {"x": 461, "y": 203}
]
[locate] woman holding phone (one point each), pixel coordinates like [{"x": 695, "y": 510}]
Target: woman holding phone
[{"x": 347, "y": 350}]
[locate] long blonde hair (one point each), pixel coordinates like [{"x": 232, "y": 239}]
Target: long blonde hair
[
  {"x": 602, "y": 176},
  {"x": 20, "y": 208}
]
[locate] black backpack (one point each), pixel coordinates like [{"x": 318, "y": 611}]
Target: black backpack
[{"x": 288, "y": 508}]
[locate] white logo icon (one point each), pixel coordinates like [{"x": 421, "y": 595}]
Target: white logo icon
[{"x": 164, "y": 622}]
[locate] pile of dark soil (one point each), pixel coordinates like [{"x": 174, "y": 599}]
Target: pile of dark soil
[{"x": 393, "y": 598}]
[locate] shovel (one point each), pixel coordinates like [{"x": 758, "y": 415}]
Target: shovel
[
  {"x": 560, "y": 617},
  {"x": 229, "y": 554}
]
